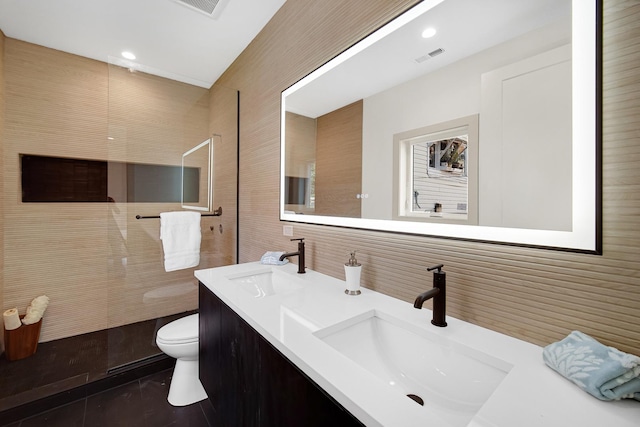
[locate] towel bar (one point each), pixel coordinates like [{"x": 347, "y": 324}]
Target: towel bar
[{"x": 217, "y": 212}]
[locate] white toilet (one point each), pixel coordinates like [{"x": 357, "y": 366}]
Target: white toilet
[{"x": 179, "y": 339}]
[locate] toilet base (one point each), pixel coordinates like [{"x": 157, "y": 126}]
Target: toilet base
[{"x": 186, "y": 387}]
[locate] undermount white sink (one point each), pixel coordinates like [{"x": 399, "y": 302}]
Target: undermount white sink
[
  {"x": 264, "y": 282},
  {"x": 452, "y": 380}
]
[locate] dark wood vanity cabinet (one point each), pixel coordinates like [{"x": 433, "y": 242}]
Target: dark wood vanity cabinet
[{"x": 250, "y": 383}]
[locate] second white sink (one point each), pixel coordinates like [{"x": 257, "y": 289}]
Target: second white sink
[
  {"x": 448, "y": 378},
  {"x": 264, "y": 282}
]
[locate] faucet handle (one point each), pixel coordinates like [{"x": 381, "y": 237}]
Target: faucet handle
[
  {"x": 438, "y": 267},
  {"x": 300, "y": 239}
]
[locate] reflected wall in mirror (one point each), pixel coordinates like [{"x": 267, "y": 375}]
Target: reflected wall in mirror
[
  {"x": 529, "y": 74},
  {"x": 196, "y": 164}
]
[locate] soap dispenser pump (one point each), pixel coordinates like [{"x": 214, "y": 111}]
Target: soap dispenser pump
[{"x": 352, "y": 270}]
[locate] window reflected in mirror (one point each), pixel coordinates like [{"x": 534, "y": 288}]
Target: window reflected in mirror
[
  {"x": 436, "y": 172},
  {"x": 439, "y": 178}
]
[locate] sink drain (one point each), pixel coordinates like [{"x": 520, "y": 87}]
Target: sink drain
[{"x": 416, "y": 399}]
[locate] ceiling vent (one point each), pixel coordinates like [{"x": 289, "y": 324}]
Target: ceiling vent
[
  {"x": 207, "y": 7},
  {"x": 431, "y": 54}
]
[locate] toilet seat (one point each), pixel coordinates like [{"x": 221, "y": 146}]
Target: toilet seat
[{"x": 181, "y": 331}]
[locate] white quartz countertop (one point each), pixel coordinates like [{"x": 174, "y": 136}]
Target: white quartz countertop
[{"x": 531, "y": 394}]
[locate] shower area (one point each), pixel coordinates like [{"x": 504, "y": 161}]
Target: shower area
[
  {"x": 158, "y": 131},
  {"x": 118, "y": 136}
]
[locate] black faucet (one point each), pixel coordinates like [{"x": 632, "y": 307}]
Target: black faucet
[
  {"x": 438, "y": 293},
  {"x": 300, "y": 254}
]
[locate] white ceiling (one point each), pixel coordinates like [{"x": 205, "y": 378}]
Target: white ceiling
[
  {"x": 169, "y": 39},
  {"x": 464, "y": 27}
]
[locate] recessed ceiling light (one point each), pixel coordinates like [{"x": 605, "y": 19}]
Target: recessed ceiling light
[
  {"x": 128, "y": 55},
  {"x": 429, "y": 32}
]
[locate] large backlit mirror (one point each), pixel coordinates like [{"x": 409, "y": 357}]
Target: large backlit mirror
[{"x": 460, "y": 119}]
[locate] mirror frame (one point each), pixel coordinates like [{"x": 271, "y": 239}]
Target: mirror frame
[
  {"x": 208, "y": 146},
  {"x": 586, "y": 233}
]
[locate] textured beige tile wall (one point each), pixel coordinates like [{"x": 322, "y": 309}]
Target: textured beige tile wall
[
  {"x": 2, "y": 89},
  {"x": 99, "y": 265},
  {"x": 56, "y": 104},
  {"x": 223, "y": 126},
  {"x": 532, "y": 294},
  {"x": 150, "y": 120}
]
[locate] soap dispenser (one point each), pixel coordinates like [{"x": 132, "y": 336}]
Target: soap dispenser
[{"x": 352, "y": 270}]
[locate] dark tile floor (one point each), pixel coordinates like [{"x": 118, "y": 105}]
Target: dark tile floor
[
  {"x": 69, "y": 363},
  {"x": 139, "y": 403}
]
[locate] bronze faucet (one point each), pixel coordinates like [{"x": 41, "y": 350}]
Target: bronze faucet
[
  {"x": 438, "y": 293},
  {"x": 300, "y": 254}
]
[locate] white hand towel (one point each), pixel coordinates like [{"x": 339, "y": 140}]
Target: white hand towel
[
  {"x": 36, "y": 310},
  {"x": 180, "y": 234}
]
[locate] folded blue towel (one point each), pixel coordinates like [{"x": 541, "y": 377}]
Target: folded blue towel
[
  {"x": 273, "y": 258},
  {"x": 605, "y": 372}
]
